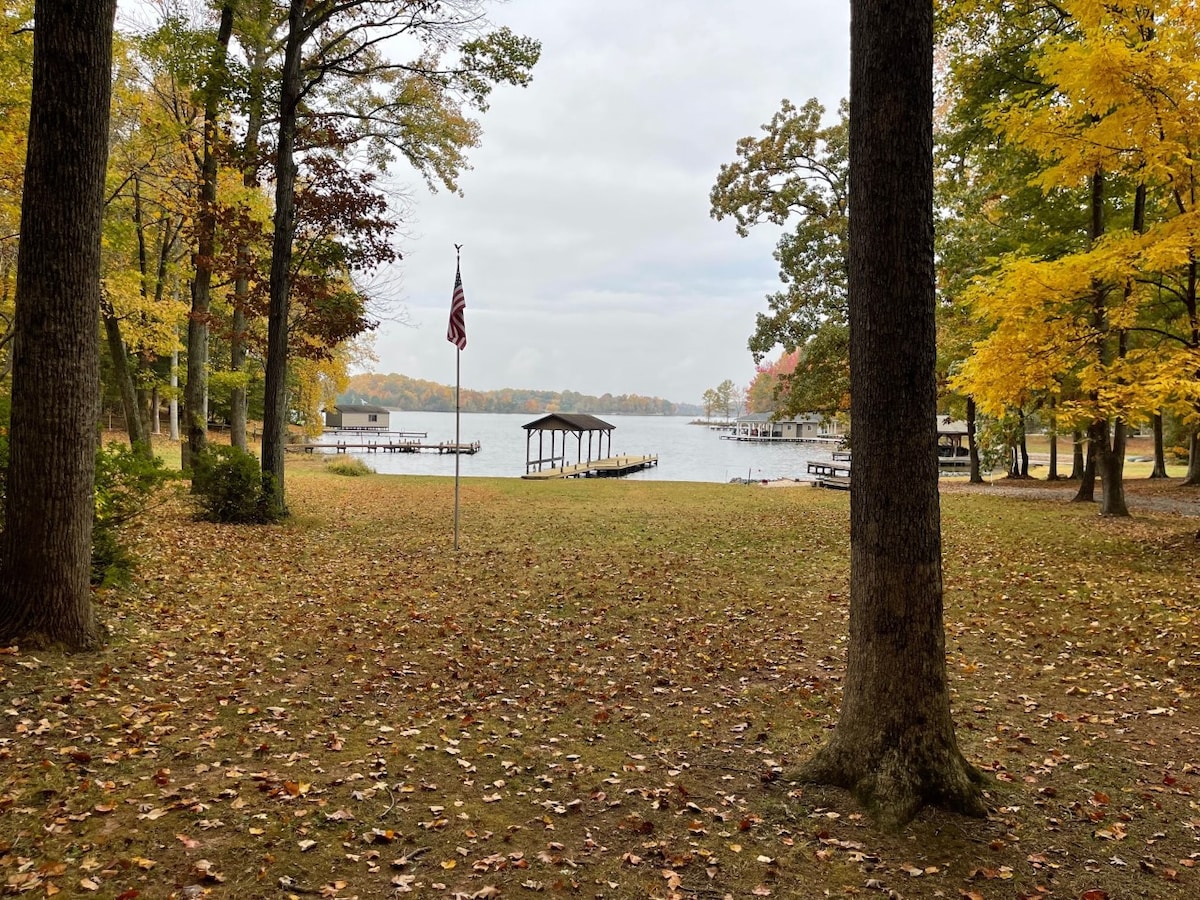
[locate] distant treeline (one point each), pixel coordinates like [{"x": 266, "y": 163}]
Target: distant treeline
[{"x": 412, "y": 394}]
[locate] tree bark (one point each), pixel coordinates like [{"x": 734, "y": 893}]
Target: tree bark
[
  {"x": 1112, "y": 448},
  {"x": 238, "y": 403},
  {"x": 894, "y": 744},
  {"x": 195, "y": 392},
  {"x": 972, "y": 445},
  {"x": 1023, "y": 445},
  {"x": 173, "y": 403},
  {"x": 275, "y": 388},
  {"x": 1077, "y": 463},
  {"x": 1112, "y": 470},
  {"x": 238, "y": 400},
  {"x": 1087, "y": 478},
  {"x": 1160, "y": 453},
  {"x": 45, "y": 549},
  {"x": 139, "y": 440},
  {"x": 1193, "y": 470},
  {"x": 1102, "y": 458}
]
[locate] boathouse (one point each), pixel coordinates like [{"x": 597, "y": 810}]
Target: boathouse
[
  {"x": 951, "y": 439},
  {"x": 765, "y": 427},
  {"x": 357, "y": 417},
  {"x": 560, "y": 427}
]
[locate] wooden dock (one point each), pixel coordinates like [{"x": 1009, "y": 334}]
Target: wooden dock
[
  {"x": 828, "y": 469},
  {"x": 833, "y": 482},
  {"x": 830, "y": 475},
  {"x": 403, "y": 446},
  {"x": 779, "y": 439},
  {"x": 612, "y": 467},
  {"x": 363, "y": 431}
]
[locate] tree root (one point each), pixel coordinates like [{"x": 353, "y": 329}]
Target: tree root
[{"x": 894, "y": 785}]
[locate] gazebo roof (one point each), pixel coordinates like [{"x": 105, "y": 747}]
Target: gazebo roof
[
  {"x": 948, "y": 427},
  {"x": 568, "y": 422}
]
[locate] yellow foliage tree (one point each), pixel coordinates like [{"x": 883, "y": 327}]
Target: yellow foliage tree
[
  {"x": 16, "y": 62},
  {"x": 145, "y": 219},
  {"x": 1118, "y": 318}
]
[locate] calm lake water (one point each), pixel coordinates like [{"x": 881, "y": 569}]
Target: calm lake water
[{"x": 685, "y": 452}]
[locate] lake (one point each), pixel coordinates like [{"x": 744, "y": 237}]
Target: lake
[{"x": 685, "y": 452}]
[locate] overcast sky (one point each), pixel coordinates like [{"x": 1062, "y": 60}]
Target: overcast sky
[{"x": 590, "y": 262}]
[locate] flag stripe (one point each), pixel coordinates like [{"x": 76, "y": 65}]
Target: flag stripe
[{"x": 457, "y": 332}]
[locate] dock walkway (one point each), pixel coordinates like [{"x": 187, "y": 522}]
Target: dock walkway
[
  {"x": 612, "y": 467},
  {"x": 780, "y": 439},
  {"x": 831, "y": 474},
  {"x": 404, "y": 446},
  {"x": 828, "y": 469}
]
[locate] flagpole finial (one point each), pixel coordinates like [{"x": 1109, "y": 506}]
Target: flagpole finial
[{"x": 458, "y": 250}]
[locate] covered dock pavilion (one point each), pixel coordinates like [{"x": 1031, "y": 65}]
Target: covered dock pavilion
[{"x": 555, "y": 462}]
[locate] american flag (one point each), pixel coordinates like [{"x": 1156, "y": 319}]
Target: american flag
[{"x": 457, "y": 332}]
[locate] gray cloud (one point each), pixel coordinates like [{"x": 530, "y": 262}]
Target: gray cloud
[{"x": 590, "y": 262}]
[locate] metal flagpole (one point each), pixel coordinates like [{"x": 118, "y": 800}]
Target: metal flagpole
[
  {"x": 457, "y": 388},
  {"x": 457, "y": 440}
]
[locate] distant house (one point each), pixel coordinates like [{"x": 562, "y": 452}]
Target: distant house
[
  {"x": 763, "y": 427},
  {"x": 951, "y": 437},
  {"x": 357, "y": 417}
]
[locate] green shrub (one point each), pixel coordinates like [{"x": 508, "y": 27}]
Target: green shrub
[
  {"x": 125, "y": 483},
  {"x": 353, "y": 467},
  {"x": 230, "y": 487}
]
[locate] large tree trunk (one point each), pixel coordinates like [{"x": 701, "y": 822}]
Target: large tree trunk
[
  {"x": 1111, "y": 459},
  {"x": 1077, "y": 463},
  {"x": 1160, "y": 453},
  {"x": 894, "y": 744},
  {"x": 972, "y": 444},
  {"x": 195, "y": 392},
  {"x": 45, "y": 549},
  {"x": 1087, "y": 480},
  {"x": 1112, "y": 470},
  {"x": 275, "y": 389},
  {"x": 1193, "y": 470},
  {"x": 239, "y": 401}
]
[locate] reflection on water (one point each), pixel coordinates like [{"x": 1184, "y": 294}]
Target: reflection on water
[{"x": 685, "y": 452}]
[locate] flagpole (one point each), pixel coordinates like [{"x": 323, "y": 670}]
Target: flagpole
[
  {"x": 457, "y": 390},
  {"x": 457, "y": 440}
]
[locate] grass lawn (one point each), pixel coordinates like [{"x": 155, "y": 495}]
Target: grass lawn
[{"x": 602, "y": 694}]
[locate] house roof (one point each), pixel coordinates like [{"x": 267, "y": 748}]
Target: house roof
[
  {"x": 568, "y": 422},
  {"x": 805, "y": 418},
  {"x": 948, "y": 426},
  {"x": 360, "y": 408}
]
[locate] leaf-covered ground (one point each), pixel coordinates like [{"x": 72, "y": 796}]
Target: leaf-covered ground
[{"x": 603, "y": 693}]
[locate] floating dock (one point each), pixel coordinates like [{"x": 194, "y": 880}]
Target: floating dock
[
  {"x": 779, "y": 439},
  {"x": 404, "y": 446},
  {"x": 612, "y": 467},
  {"x": 831, "y": 474}
]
